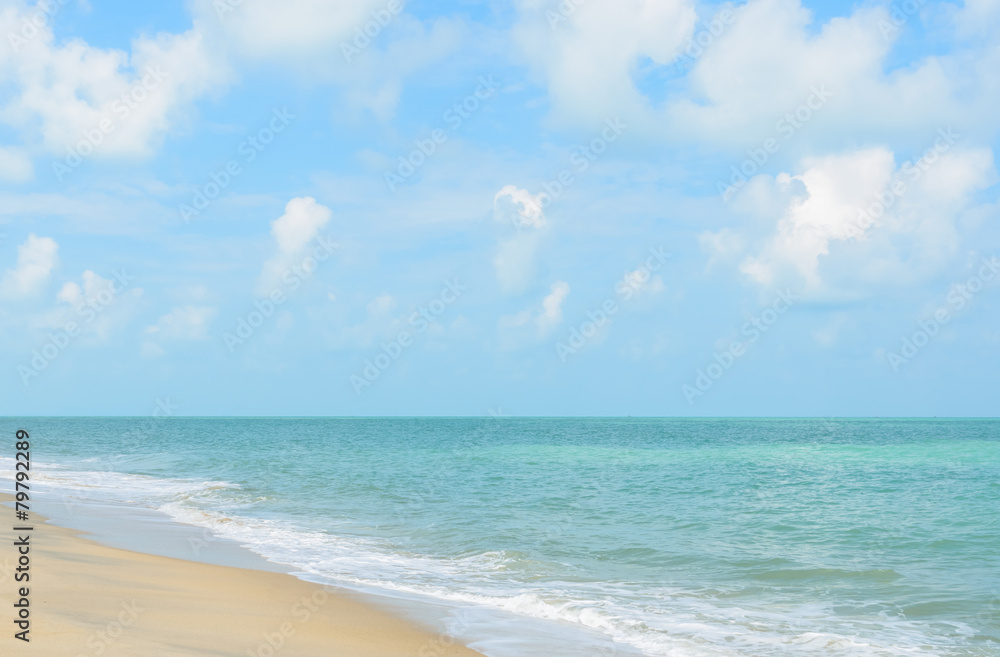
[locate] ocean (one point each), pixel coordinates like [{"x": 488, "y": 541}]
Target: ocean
[{"x": 657, "y": 537}]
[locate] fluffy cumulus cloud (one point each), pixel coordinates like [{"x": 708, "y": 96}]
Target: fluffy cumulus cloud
[
  {"x": 770, "y": 60},
  {"x": 520, "y": 214},
  {"x": 857, "y": 221},
  {"x": 588, "y": 52},
  {"x": 36, "y": 258},
  {"x": 835, "y": 189},
  {"x": 848, "y": 224},
  {"x": 73, "y": 98},
  {"x": 293, "y": 232},
  {"x": 764, "y": 62}
]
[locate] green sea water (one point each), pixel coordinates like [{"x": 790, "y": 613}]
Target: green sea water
[{"x": 680, "y": 537}]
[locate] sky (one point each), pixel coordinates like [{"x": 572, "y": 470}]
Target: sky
[{"x": 530, "y": 207}]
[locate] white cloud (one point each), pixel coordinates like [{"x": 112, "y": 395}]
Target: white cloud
[
  {"x": 15, "y": 165},
  {"x": 978, "y": 16},
  {"x": 68, "y": 90},
  {"x": 292, "y": 232},
  {"x": 362, "y": 44},
  {"x": 299, "y": 225},
  {"x": 536, "y": 323},
  {"x": 289, "y": 28},
  {"x": 641, "y": 282},
  {"x": 35, "y": 260},
  {"x": 184, "y": 323},
  {"x": 861, "y": 222},
  {"x": 515, "y": 261},
  {"x": 61, "y": 93},
  {"x": 607, "y": 59},
  {"x": 551, "y": 315},
  {"x": 72, "y": 293},
  {"x": 589, "y": 59},
  {"x": 836, "y": 187},
  {"x": 765, "y": 64},
  {"x": 371, "y": 44},
  {"x": 99, "y": 306},
  {"x": 518, "y": 207}
]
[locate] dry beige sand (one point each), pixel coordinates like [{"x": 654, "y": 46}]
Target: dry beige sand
[{"x": 91, "y": 600}]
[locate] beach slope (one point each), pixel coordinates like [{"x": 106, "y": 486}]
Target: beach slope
[{"x": 87, "y": 599}]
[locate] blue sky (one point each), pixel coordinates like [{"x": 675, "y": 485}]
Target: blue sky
[{"x": 642, "y": 207}]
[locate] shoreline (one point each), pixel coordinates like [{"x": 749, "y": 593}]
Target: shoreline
[
  {"x": 90, "y": 599},
  {"x": 551, "y": 542}
]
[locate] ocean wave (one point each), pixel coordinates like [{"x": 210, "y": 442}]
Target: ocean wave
[{"x": 658, "y": 621}]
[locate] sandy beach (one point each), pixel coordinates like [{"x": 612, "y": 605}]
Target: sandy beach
[{"x": 88, "y": 599}]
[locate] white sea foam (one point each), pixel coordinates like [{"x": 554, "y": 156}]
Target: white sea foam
[{"x": 662, "y": 622}]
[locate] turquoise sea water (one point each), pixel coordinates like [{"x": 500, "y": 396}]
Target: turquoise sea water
[{"x": 669, "y": 537}]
